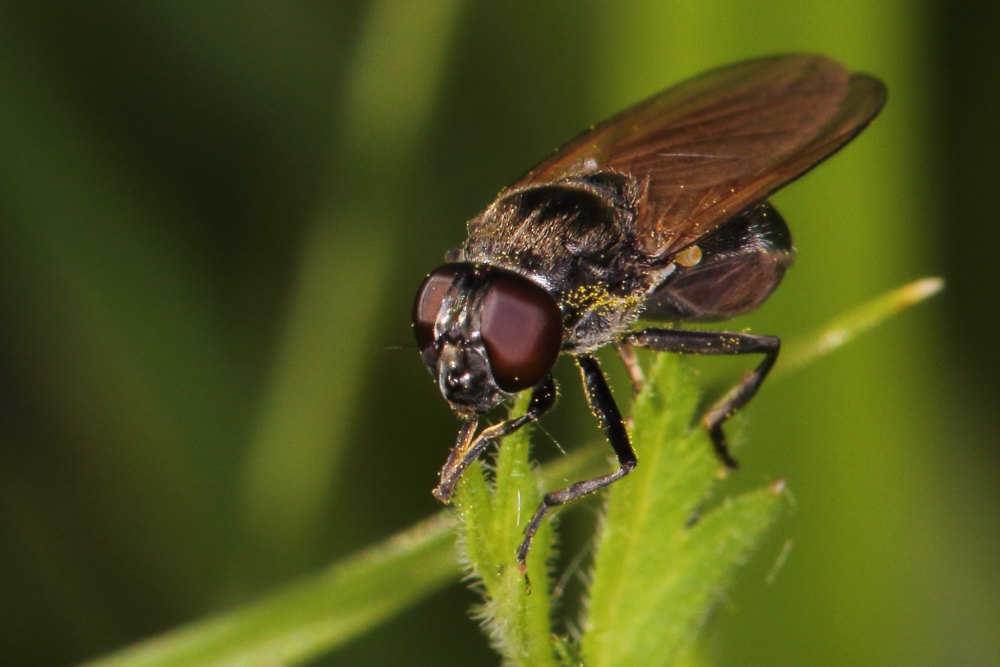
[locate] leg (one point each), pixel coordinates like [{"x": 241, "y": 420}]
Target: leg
[
  {"x": 602, "y": 404},
  {"x": 466, "y": 449},
  {"x": 715, "y": 342},
  {"x": 627, "y": 354}
]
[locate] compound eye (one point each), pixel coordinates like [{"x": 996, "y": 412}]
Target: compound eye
[
  {"x": 427, "y": 305},
  {"x": 522, "y": 330}
]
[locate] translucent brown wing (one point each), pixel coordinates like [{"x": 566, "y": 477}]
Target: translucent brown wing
[{"x": 713, "y": 146}]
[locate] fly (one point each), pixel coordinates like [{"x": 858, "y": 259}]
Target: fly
[{"x": 660, "y": 211}]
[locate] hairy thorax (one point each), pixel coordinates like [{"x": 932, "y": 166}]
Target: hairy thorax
[{"x": 575, "y": 237}]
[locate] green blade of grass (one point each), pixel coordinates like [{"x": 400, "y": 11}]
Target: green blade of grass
[
  {"x": 316, "y": 614},
  {"x": 847, "y": 326},
  {"x": 297, "y": 449}
]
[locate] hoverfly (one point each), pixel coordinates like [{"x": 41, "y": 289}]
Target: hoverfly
[{"x": 658, "y": 212}]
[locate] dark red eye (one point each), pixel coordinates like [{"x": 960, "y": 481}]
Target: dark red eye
[
  {"x": 427, "y": 305},
  {"x": 522, "y": 329}
]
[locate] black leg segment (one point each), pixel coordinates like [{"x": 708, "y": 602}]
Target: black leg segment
[
  {"x": 603, "y": 405},
  {"x": 715, "y": 342},
  {"x": 467, "y": 448}
]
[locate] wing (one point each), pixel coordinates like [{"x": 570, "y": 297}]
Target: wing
[{"x": 713, "y": 146}]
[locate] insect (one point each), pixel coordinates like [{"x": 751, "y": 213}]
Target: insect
[{"x": 658, "y": 212}]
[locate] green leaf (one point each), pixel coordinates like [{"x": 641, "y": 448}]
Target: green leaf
[
  {"x": 662, "y": 560},
  {"x": 658, "y": 571},
  {"x": 515, "y": 613}
]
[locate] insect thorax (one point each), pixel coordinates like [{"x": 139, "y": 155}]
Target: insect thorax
[{"x": 576, "y": 238}]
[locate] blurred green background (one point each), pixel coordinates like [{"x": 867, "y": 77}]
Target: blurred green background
[{"x": 213, "y": 217}]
